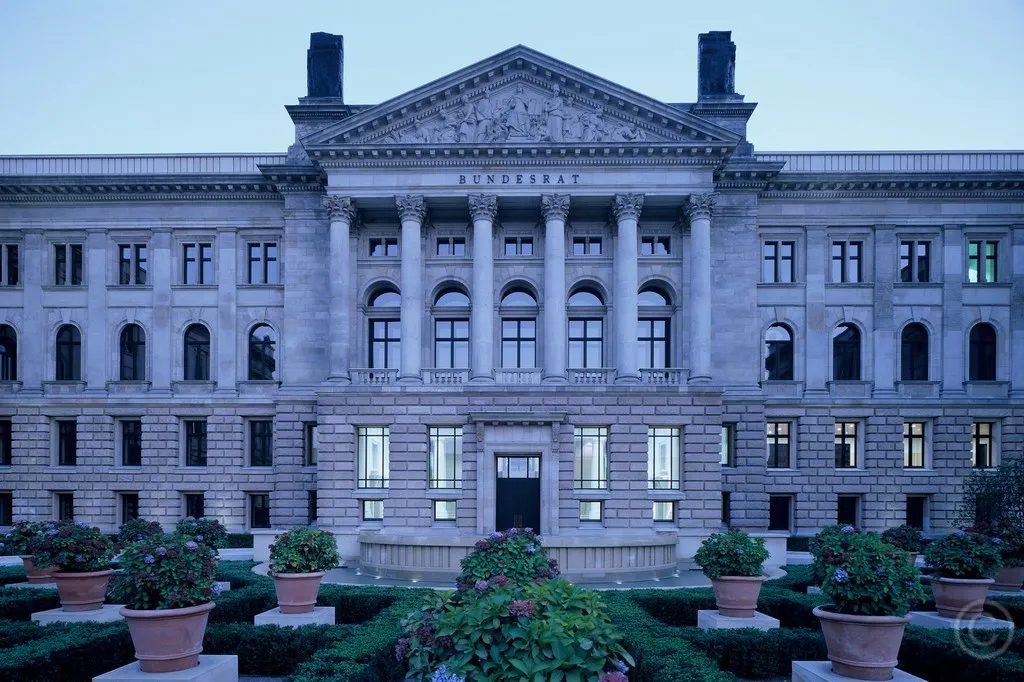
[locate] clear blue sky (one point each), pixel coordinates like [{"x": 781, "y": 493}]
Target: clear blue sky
[{"x": 100, "y": 76}]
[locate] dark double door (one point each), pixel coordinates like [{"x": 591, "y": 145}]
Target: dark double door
[{"x": 517, "y": 499}]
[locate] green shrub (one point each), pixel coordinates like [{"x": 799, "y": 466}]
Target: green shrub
[
  {"x": 208, "y": 531},
  {"x": 167, "y": 572},
  {"x": 137, "y": 529},
  {"x": 828, "y": 550},
  {"x": 762, "y": 655},
  {"x": 798, "y": 578},
  {"x": 13, "y": 633},
  {"x": 303, "y": 550},
  {"x": 240, "y": 540},
  {"x": 907, "y": 538},
  {"x": 74, "y": 651},
  {"x": 242, "y": 605},
  {"x": 798, "y": 543},
  {"x": 963, "y": 554},
  {"x": 872, "y": 578},
  {"x": 18, "y": 541},
  {"x": 516, "y": 554},
  {"x": 1009, "y": 539},
  {"x": 21, "y": 604},
  {"x": 239, "y": 574},
  {"x": 733, "y": 553},
  {"x": 12, "y": 574},
  {"x": 72, "y": 546},
  {"x": 267, "y": 649}
]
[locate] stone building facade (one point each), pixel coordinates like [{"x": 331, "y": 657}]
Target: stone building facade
[{"x": 520, "y": 294}]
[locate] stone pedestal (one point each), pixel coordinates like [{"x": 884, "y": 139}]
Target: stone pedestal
[
  {"x": 320, "y": 615},
  {"x": 210, "y": 669},
  {"x": 933, "y": 621},
  {"x": 224, "y": 585},
  {"x": 813, "y": 589},
  {"x": 713, "y": 620},
  {"x": 32, "y": 586},
  {"x": 107, "y": 614},
  {"x": 821, "y": 671}
]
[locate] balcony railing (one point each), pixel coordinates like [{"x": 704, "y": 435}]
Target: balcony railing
[
  {"x": 373, "y": 376},
  {"x": 445, "y": 377},
  {"x": 517, "y": 376},
  {"x": 595, "y": 376},
  {"x": 668, "y": 376}
]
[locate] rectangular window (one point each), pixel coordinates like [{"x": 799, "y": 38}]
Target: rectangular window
[
  {"x": 586, "y": 343},
  {"x": 778, "y": 262},
  {"x": 653, "y": 343},
  {"x": 311, "y": 444},
  {"x": 385, "y": 344},
  {"x": 311, "y": 506},
  {"x": 259, "y": 510},
  {"x": 381, "y": 247},
  {"x": 778, "y": 445},
  {"x": 727, "y": 447},
  {"x": 591, "y": 511},
  {"x": 915, "y": 261},
  {"x": 261, "y": 443},
  {"x": 655, "y": 246},
  {"x": 197, "y": 263},
  {"x": 846, "y": 445},
  {"x": 846, "y": 262},
  {"x": 133, "y": 268},
  {"x": 195, "y": 443},
  {"x": 373, "y": 510},
  {"x": 981, "y": 445},
  {"x": 982, "y": 261},
  {"x": 590, "y": 457},
  {"x": 374, "y": 456},
  {"x": 6, "y": 444},
  {"x": 131, "y": 442},
  {"x": 913, "y": 445},
  {"x": 9, "y": 275},
  {"x": 663, "y": 458},
  {"x": 67, "y": 264},
  {"x": 664, "y": 511},
  {"x": 445, "y": 457},
  {"x": 263, "y": 263},
  {"x": 444, "y": 510},
  {"x": 451, "y": 246},
  {"x": 67, "y": 443},
  {"x": 518, "y": 343},
  {"x": 586, "y": 246},
  {"x": 848, "y": 510},
  {"x": 65, "y": 506},
  {"x": 451, "y": 344},
  {"x": 917, "y": 510},
  {"x": 6, "y": 509},
  {"x": 726, "y": 509},
  {"x": 195, "y": 505},
  {"x": 780, "y": 513},
  {"x": 129, "y": 506},
  {"x": 518, "y": 246}
]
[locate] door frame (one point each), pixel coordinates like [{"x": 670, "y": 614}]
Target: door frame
[
  {"x": 516, "y": 440},
  {"x": 540, "y": 519}
]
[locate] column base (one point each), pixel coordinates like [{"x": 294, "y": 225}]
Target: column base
[
  {"x": 339, "y": 379},
  {"x": 482, "y": 379},
  {"x": 555, "y": 379},
  {"x": 409, "y": 380},
  {"x": 698, "y": 380},
  {"x": 627, "y": 379}
]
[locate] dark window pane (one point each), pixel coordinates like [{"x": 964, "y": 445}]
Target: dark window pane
[
  {"x": 141, "y": 264},
  {"x": 982, "y": 364},
  {"x": 847, "y": 510},
  {"x": 846, "y": 353},
  {"x": 76, "y": 264},
  {"x": 6, "y": 442},
  {"x": 129, "y": 506},
  {"x": 125, "y": 264},
  {"x": 915, "y": 511},
  {"x": 195, "y": 443},
  {"x": 195, "y": 505},
  {"x": 261, "y": 443},
  {"x": 259, "y": 510},
  {"x": 65, "y": 506},
  {"x": 131, "y": 442},
  {"x": 69, "y": 354},
  {"x": 8, "y": 353},
  {"x": 914, "y": 353},
  {"x": 262, "y": 353},
  {"x": 67, "y": 443},
  {"x": 60, "y": 264},
  {"x": 778, "y": 512},
  {"x": 197, "y": 353}
]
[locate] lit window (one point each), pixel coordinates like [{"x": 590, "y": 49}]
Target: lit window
[
  {"x": 664, "y": 511},
  {"x": 663, "y": 458},
  {"x": 591, "y": 511},
  {"x": 590, "y": 457},
  {"x": 982, "y": 445},
  {"x": 982, "y": 261},
  {"x": 913, "y": 445},
  {"x": 779, "y": 445},
  {"x": 444, "y": 510},
  {"x": 846, "y": 445},
  {"x": 374, "y": 457},
  {"x": 446, "y": 457}
]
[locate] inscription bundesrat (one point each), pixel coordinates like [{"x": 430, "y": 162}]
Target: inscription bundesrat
[{"x": 519, "y": 178}]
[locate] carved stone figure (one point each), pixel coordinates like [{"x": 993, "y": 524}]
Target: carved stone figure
[
  {"x": 467, "y": 121},
  {"x": 417, "y": 134},
  {"x": 594, "y": 127},
  {"x": 482, "y": 115},
  {"x": 518, "y": 119},
  {"x": 627, "y": 132},
  {"x": 554, "y": 108},
  {"x": 449, "y": 132},
  {"x": 572, "y": 127}
]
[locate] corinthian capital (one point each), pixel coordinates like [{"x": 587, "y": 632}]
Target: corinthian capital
[
  {"x": 700, "y": 206},
  {"x": 554, "y": 206},
  {"x": 627, "y": 206},
  {"x": 483, "y": 206},
  {"x": 340, "y": 208},
  {"x": 411, "y": 207}
]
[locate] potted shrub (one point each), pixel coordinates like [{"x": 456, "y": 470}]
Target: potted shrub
[
  {"x": 907, "y": 538},
  {"x": 297, "y": 563},
  {"x": 18, "y": 542},
  {"x": 210, "y": 532},
  {"x": 871, "y": 589},
  {"x": 964, "y": 564},
  {"x": 733, "y": 562},
  {"x": 1009, "y": 539},
  {"x": 167, "y": 587},
  {"x": 81, "y": 556},
  {"x": 828, "y": 548},
  {"x": 137, "y": 529}
]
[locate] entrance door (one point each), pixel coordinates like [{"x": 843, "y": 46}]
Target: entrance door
[{"x": 517, "y": 503}]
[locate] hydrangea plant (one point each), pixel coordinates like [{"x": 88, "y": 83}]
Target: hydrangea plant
[
  {"x": 1008, "y": 537},
  {"x": 303, "y": 550},
  {"x": 830, "y": 549},
  {"x": 516, "y": 554},
  {"x": 733, "y": 553},
  {"x": 73, "y": 547},
  {"x": 907, "y": 538},
  {"x": 167, "y": 572},
  {"x": 872, "y": 578},
  {"x": 205, "y": 530},
  {"x": 18, "y": 542},
  {"x": 964, "y": 554},
  {"x": 134, "y": 530}
]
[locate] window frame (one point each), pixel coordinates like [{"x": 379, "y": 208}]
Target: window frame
[
  {"x": 68, "y": 354},
  {"x": 591, "y": 504},
  {"x": 909, "y": 438},
  {"x": 517, "y": 243},
  {"x": 655, "y": 436},
  {"x": 124, "y": 502},
  {"x": 185, "y": 500},
  {"x": 925, "y": 511},
  {"x": 445, "y": 518},
  {"x": 260, "y": 443},
  {"x": 268, "y": 264},
  {"x": 841, "y": 347},
  {"x": 253, "y": 498},
  {"x": 981, "y": 274},
  {"x": 204, "y": 256},
  {"x": 993, "y": 437},
  {"x": 9, "y": 356},
  {"x": 786, "y": 360},
  {"x": 583, "y": 342},
  {"x": 68, "y": 264},
  {"x": 363, "y": 435},
  {"x": 778, "y": 261},
  {"x": 6, "y": 442},
  {"x": 911, "y": 272},
  {"x": 201, "y": 457},
  {"x": 579, "y": 440},
  {"x": 727, "y": 445},
  {"x": 261, "y": 354},
  {"x": 133, "y": 269},
  {"x": 132, "y": 353},
  {"x": 858, "y": 509},
  {"x": 790, "y": 509},
  {"x": 200, "y": 358},
  {"x": 310, "y": 444},
  {"x": 129, "y": 443},
  {"x": 374, "y": 504},
  {"x": 389, "y": 246},
  {"x": 651, "y": 243},
  {"x": 66, "y": 442},
  {"x": 982, "y": 354},
  {"x": 6, "y": 507},
  {"x": 435, "y": 436},
  {"x": 850, "y": 261},
  {"x": 452, "y": 245},
  {"x": 64, "y": 500},
  {"x": 453, "y": 344},
  {"x": 911, "y": 361},
  {"x": 587, "y": 243},
  {"x": 661, "y": 504},
  {"x": 10, "y": 276},
  {"x": 844, "y": 435},
  {"x": 777, "y": 439}
]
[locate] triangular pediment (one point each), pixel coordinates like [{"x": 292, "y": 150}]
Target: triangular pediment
[{"x": 521, "y": 97}]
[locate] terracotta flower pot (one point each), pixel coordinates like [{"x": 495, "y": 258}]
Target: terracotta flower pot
[
  {"x": 167, "y": 640},
  {"x": 962, "y": 598},
  {"x": 736, "y": 595},
  {"x": 862, "y": 647},
  {"x": 82, "y": 591},
  {"x": 1008, "y": 579},
  {"x": 296, "y": 592},
  {"x": 37, "y": 575}
]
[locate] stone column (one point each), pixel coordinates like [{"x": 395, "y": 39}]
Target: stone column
[
  {"x": 1016, "y": 373},
  {"x": 412, "y": 209},
  {"x": 949, "y": 343},
  {"x": 95, "y": 362},
  {"x": 817, "y": 347},
  {"x": 626, "y": 210},
  {"x": 483, "y": 208},
  {"x": 227, "y": 332},
  {"x": 698, "y": 212},
  {"x": 163, "y": 335},
  {"x": 883, "y": 335},
  {"x": 555, "y": 208},
  {"x": 35, "y": 364},
  {"x": 342, "y": 213}
]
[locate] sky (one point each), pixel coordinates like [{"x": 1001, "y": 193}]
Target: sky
[{"x": 106, "y": 76}]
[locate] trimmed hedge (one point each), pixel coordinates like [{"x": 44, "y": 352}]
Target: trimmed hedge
[
  {"x": 21, "y": 604},
  {"x": 268, "y": 649},
  {"x": 239, "y": 574},
  {"x": 76, "y": 651},
  {"x": 12, "y": 574},
  {"x": 239, "y": 540},
  {"x": 762, "y": 655}
]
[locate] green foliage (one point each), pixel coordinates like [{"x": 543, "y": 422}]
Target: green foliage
[
  {"x": 798, "y": 543},
  {"x": 872, "y": 579},
  {"x": 21, "y": 604},
  {"x": 239, "y": 574},
  {"x": 137, "y": 529},
  {"x": 963, "y": 554},
  {"x": 72, "y": 546},
  {"x": 516, "y": 554},
  {"x": 267, "y": 649},
  {"x": 210, "y": 532},
  {"x": 798, "y": 578},
  {"x": 72, "y": 651},
  {"x": 240, "y": 540},
  {"x": 993, "y": 495},
  {"x": 765, "y": 655},
  {"x": 907, "y": 538},
  {"x": 829, "y": 548},
  {"x": 12, "y": 574},
  {"x": 733, "y": 553},
  {"x": 18, "y": 541},
  {"x": 167, "y": 572},
  {"x": 1008, "y": 538},
  {"x": 304, "y": 550}
]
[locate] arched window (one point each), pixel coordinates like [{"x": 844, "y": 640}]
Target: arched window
[
  {"x": 518, "y": 329},
  {"x": 846, "y": 353},
  {"x": 778, "y": 353},
  {"x": 586, "y": 329},
  {"x": 982, "y": 353},
  {"x": 653, "y": 329},
  {"x": 8, "y": 353},
  {"x": 385, "y": 328},
  {"x": 262, "y": 353},
  {"x": 69, "y": 354},
  {"x": 451, "y": 331},
  {"x": 197, "y": 353},
  {"x": 518, "y": 297},
  {"x": 914, "y": 353},
  {"x": 451, "y": 298},
  {"x": 133, "y": 353}
]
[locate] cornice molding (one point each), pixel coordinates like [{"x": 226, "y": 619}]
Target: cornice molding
[{"x": 883, "y": 185}]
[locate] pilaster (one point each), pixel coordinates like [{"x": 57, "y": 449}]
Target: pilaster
[
  {"x": 94, "y": 362},
  {"x": 342, "y": 213},
  {"x": 817, "y": 347},
  {"x": 483, "y": 208},
  {"x": 883, "y": 335},
  {"x": 162, "y": 336},
  {"x": 626, "y": 209},
  {"x": 555, "y": 209},
  {"x": 32, "y": 357},
  {"x": 698, "y": 210},
  {"x": 950, "y": 345},
  {"x": 227, "y": 314},
  {"x": 412, "y": 209},
  {"x": 1017, "y": 314}
]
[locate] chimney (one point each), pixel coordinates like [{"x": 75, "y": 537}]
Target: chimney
[
  {"x": 325, "y": 65},
  {"x": 716, "y": 66}
]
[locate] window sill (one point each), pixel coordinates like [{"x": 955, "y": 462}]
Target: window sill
[
  {"x": 62, "y": 387},
  {"x": 591, "y": 525},
  {"x": 130, "y": 287},
  {"x": 987, "y": 285},
  {"x": 596, "y": 494},
  {"x": 919, "y": 285},
  {"x": 445, "y": 493},
  {"x": 782, "y": 470},
  {"x": 193, "y": 287},
  {"x": 920, "y": 470},
  {"x": 444, "y": 525},
  {"x": 192, "y": 387},
  {"x": 64, "y": 287},
  {"x": 371, "y": 494},
  {"x": 918, "y": 389},
  {"x": 987, "y": 389},
  {"x": 128, "y": 386},
  {"x": 9, "y": 387},
  {"x": 849, "y": 285},
  {"x": 261, "y": 285},
  {"x": 12, "y": 287},
  {"x": 781, "y": 285}
]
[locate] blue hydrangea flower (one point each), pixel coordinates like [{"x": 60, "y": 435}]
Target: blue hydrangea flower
[
  {"x": 531, "y": 548},
  {"x": 216, "y": 589},
  {"x": 199, "y": 538},
  {"x": 52, "y": 531},
  {"x": 621, "y": 666},
  {"x": 2, "y": 545},
  {"x": 81, "y": 524},
  {"x": 739, "y": 551},
  {"x": 528, "y": 529},
  {"x": 494, "y": 535},
  {"x": 481, "y": 585},
  {"x": 191, "y": 545},
  {"x": 79, "y": 558},
  {"x": 149, "y": 558},
  {"x": 848, "y": 529},
  {"x": 879, "y": 570},
  {"x": 161, "y": 551},
  {"x": 840, "y": 575},
  {"x": 996, "y": 541},
  {"x": 138, "y": 536},
  {"x": 213, "y": 552},
  {"x": 444, "y": 674},
  {"x": 959, "y": 533}
]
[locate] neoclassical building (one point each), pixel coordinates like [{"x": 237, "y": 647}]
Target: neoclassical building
[{"x": 518, "y": 295}]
